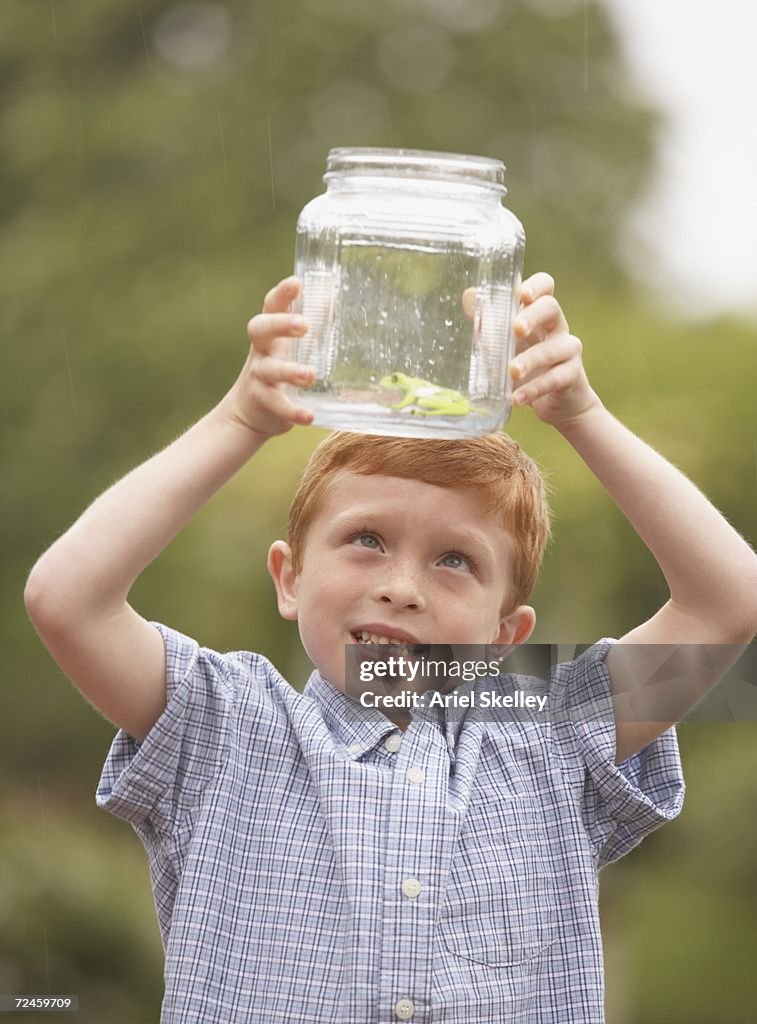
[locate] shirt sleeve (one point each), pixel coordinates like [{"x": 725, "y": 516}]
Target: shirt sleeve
[
  {"x": 621, "y": 804},
  {"x": 153, "y": 784}
]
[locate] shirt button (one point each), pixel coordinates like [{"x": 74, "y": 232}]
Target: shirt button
[
  {"x": 356, "y": 748},
  {"x": 392, "y": 743},
  {"x": 411, "y": 887},
  {"x": 404, "y": 1009},
  {"x": 416, "y": 776}
]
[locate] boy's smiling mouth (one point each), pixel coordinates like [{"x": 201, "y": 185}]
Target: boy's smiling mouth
[{"x": 387, "y": 636}]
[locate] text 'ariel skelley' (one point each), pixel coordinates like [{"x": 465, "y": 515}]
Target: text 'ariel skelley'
[
  {"x": 466, "y": 671},
  {"x": 434, "y": 699}
]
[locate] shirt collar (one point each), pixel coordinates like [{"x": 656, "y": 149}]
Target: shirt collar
[{"x": 361, "y": 728}]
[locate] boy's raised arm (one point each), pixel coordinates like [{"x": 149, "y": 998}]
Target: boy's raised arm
[
  {"x": 76, "y": 594},
  {"x": 711, "y": 570}
]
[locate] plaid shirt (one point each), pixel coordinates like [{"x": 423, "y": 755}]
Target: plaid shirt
[{"x": 310, "y": 862}]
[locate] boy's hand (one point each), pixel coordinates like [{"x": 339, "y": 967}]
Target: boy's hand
[
  {"x": 547, "y": 371},
  {"x": 258, "y": 399}
]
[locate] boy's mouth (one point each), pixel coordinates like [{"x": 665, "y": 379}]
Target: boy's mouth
[{"x": 403, "y": 646}]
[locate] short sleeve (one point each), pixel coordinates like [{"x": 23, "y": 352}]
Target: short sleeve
[
  {"x": 621, "y": 804},
  {"x": 153, "y": 784}
]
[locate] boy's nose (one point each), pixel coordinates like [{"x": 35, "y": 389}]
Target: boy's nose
[{"x": 400, "y": 591}]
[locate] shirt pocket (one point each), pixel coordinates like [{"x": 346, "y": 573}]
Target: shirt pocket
[{"x": 500, "y": 905}]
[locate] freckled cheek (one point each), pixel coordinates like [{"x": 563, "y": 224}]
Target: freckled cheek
[
  {"x": 327, "y": 600},
  {"x": 462, "y": 620},
  {"x": 322, "y": 636}
]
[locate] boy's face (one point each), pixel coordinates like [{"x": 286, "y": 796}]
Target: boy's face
[{"x": 402, "y": 559}]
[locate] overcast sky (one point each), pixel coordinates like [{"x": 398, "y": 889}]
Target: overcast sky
[{"x": 698, "y": 61}]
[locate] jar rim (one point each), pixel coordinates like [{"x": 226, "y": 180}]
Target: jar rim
[{"x": 416, "y": 163}]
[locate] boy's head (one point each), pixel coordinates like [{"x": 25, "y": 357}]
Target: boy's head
[
  {"x": 410, "y": 540},
  {"x": 509, "y": 482}
]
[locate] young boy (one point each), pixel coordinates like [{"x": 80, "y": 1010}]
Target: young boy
[{"x": 311, "y": 860}]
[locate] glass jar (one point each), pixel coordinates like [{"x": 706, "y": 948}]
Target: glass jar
[{"x": 411, "y": 268}]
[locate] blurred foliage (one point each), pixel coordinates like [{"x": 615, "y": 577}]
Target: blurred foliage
[
  {"x": 154, "y": 159},
  {"x": 678, "y": 918},
  {"x": 76, "y": 910}
]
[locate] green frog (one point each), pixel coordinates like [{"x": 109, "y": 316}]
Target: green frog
[{"x": 427, "y": 399}]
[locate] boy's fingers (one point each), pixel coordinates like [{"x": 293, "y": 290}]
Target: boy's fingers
[
  {"x": 265, "y": 328},
  {"x": 283, "y": 408},
  {"x": 544, "y": 316},
  {"x": 560, "y": 349},
  {"x": 556, "y": 379},
  {"x": 280, "y": 297},
  {"x": 282, "y": 371},
  {"x": 532, "y": 288},
  {"x": 535, "y": 286}
]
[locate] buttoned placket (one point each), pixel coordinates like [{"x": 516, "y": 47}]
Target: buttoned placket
[{"x": 419, "y": 845}]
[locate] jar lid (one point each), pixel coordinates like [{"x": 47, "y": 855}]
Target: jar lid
[{"x": 417, "y": 163}]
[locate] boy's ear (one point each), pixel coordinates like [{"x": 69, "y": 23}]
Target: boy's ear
[
  {"x": 517, "y": 627},
  {"x": 284, "y": 578}
]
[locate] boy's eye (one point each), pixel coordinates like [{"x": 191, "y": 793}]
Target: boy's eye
[
  {"x": 454, "y": 560},
  {"x": 366, "y": 540}
]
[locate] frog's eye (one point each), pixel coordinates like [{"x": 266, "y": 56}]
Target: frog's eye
[{"x": 395, "y": 378}]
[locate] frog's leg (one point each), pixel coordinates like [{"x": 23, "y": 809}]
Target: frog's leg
[
  {"x": 407, "y": 400},
  {"x": 457, "y": 406}
]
